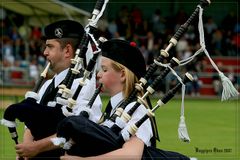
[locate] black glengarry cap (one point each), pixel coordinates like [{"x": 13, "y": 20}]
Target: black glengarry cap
[
  {"x": 125, "y": 53},
  {"x": 63, "y": 29}
]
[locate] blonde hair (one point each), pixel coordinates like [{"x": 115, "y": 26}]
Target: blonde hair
[{"x": 131, "y": 78}]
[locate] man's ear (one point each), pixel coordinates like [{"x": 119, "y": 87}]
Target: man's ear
[{"x": 68, "y": 51}]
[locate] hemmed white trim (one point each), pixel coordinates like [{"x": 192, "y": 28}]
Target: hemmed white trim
[
  {"x": 58, "y": 141},
  {"x": 108, "y": 123},
  {"x": 66, "y": 112},
  {"x": 62, "y": 101},
  {"x": 52, "y": 104},
  {"x": 125, "y": 134},
  {"x": 31, "y": 94},
  {"x": 91, "y": 117},
  {"x": 120, "y": 122},
  {"x": 8, "y": 123},
  {"x": 68, "y": 145}
]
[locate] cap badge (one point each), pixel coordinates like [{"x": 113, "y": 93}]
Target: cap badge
[{"x": 58, "y": 32}]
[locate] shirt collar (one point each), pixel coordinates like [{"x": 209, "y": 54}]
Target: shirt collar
[
  {"x": 116, "y": 99},
  {"x": 60, "y": 77}
]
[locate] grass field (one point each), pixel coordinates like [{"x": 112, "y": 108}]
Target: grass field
[{"x": 213, "y": 126}]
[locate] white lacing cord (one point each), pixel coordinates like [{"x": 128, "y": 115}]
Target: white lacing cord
[
  {"x": 228, "y": 88},
  {"x": 189, "y": 59}
]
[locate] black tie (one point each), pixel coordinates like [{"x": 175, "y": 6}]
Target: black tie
[
  {"x": 49, "y": 94},
  {"x": 108, "y": 110},
  {"x": 106, "y": 113}
]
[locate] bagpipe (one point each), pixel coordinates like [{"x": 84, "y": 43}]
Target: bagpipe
[
  {"x": 82, "y": 137},
  {"x": 41, "y": 119},
  {"x": 79, "y": 136}
]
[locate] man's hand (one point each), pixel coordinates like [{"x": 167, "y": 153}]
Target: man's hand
[
  {"x": 27, "y": 149},
  {"x": 25, "y": 158}
]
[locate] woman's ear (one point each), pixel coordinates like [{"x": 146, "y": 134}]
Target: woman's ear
[{"x": 123, "y": 75}]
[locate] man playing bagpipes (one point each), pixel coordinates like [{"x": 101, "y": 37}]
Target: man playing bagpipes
[
  {"x": 62, "y": 39},
  {"x": 122, "y": 64}
]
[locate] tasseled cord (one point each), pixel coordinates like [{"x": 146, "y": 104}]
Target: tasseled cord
[
  {"x": 228, "y": 88},
  {"x": 182, "y": 128}
]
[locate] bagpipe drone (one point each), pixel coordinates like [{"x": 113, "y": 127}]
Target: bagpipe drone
[
  {"x": 74, "y": 138},
  {"x": 42, "y": 120}
]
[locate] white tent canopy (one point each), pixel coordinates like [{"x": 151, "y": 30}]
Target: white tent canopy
[{"x": 42, "y": 12}]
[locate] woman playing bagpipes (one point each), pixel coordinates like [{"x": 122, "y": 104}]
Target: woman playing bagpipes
[
  {"x": 62, "y": 39},
  {"x": 85, "y": 139},
  {"x": 122, "y": 64}
]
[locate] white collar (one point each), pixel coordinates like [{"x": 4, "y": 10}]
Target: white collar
[
  {"x": 116, "y": 99},
  {"x": 60, "y": 77}
]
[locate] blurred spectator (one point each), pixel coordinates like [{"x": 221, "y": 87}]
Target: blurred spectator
[
  {"x": 33, "y": 70},
  {"x": 122, "y": 21},
  {"x": 232, "y": 76},
  {"x": 150, "y": 41},
  {"x": 19, "y": 49},
  {"x": 112, "y": 27},
  {"x": 187, "y": 53},
  {"x": 138, "y": 25},
  {"x": 14, "y": 35},
  {"x": 229, "y": 21},
  {"x": 210, "y": 26},
  {"x": 145, "y": 53},
  {"x": 236, "y": 41},
  {"x": 193, "y": 88},
  {"x": 3, "y": 27},
  {"x": 35, "y": 48},
  {"x": 217, "y": 85},
  {"x": 158, "y": 22},
  {"x": 217, "y": 42},
  {"x": 181, "y": 47},
  {"x": 181, "y": 17},
  {"x": 36, "y": 33},
  {"x": 7, "y": 47},
  {"x": 3, "y": 14}
]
